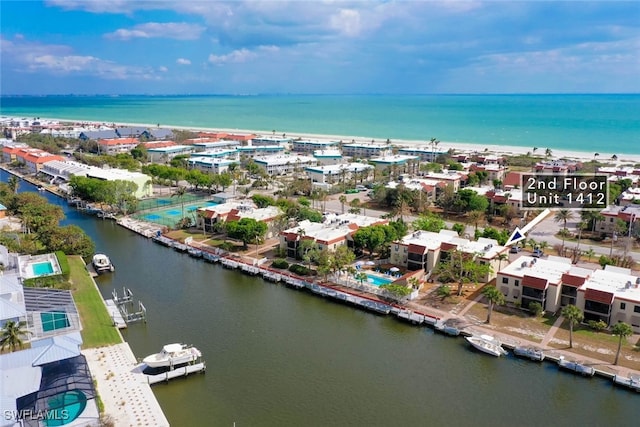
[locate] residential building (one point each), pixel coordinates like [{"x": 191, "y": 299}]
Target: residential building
[
  {"x": 165, "y": 154},
  {"x": 34, "y": 158},
  {"x": 367, "y": 150},
  {"x": 454, "y": 178},
  {"x": 629, "y": 214},
  {"x": 425, "y": 154},
  {"x": 213, "y": 165},
  {"x": 208, "y": 216},
  {"x": 117, "y": 145},
  {"x": 270, "y": 140},
  {"x": 495, "y": 171},
  {"x": 334, "y": 231},
  {"x": 205, "y": 144},
  {"x": 339, "y": 173},
  {"x": 10, "y": 149},
  {"x": 557, "y": 167},
  {"x": 306, "y": 146},
  {"x": 63, "y": 170},
  {"x": 249, "y": 151},
  {"x": 396, "y": 163},
  {"x": 328, "y": 157},
  {"x": 284, "y": 164}
]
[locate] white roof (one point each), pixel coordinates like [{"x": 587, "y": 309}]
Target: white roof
[
  {"x": 337, "y": 169},
  {"x": 550, "y": 270},
  {"x": 428, "y": 239},
  {"x": 616, "y": 281},
  {"x": 281, "y": 160},
  {"x": 56, "y": 348}
]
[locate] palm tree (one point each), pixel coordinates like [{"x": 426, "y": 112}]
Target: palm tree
[
  {"x": 622, "y": 330},
  {"x": 493, "y": 296},
  {"x": 475, "y": 217},
  {"x": 12, "y": 333},
  {"x": 574, "y": 315},
  {"x": 563, "y": 215},
  {"x": 502, "y": 257},
  {"x": 590, "y": 253},
  {"x": 14, "y": 183},
  {"x": 614, "y": 157},
  {"x": 355, "y": 206},
  {"x": 343, "y": 200},
  {"x": 180, "y": 193},
  {"x": 548, "y": 152},
  {"x": 581, "y": 226},
  {"x": 535, "y": 149}
]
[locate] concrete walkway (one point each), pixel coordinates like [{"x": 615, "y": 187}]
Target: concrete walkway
[
  {"x": 552, "y": 331},
  {"x": 126, "y": 396}
]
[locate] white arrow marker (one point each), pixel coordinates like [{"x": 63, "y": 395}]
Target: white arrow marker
[{"x": 520, "y": 234}]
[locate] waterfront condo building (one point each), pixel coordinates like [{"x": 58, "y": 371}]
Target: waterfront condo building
[
  {"x": 284, "y": 164},
  {"x": 339, "y": 173},
  {"x": 334, "y": 231},
  {"x": 306, "y": 146}
]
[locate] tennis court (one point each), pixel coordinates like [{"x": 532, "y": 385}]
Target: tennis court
[{"x": 169, "y": 215}]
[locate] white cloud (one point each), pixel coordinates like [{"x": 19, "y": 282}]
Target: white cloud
[
  {"x": 163, "y": 69},
  {"x": 347, "y": 22},
  {"x": 236, "y": 56},
  {"x": 183, "y": 61},
  {"x": 167, "y": 30},
  {"x": 32, "y": 57}
]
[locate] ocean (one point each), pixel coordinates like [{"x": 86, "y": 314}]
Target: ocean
[{"x": 584, "y": 123}]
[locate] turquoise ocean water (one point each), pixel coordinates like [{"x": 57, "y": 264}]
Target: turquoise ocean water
[{"x": 587, "y": 123}]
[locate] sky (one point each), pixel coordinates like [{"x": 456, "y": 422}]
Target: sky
[{"x": 318, "y": 47}]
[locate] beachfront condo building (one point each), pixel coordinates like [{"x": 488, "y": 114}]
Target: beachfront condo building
[
  {"x": 611, "y": 295},
  {"x": 205, "y": 144},
  {"x": 117, "y": 145},
  {"x": 247, "y": 152},
  {"x": 270, "y": 140},
  {"x": 425, "y": 154},
  {"x": 366, "y": 150},
  {"x": 210, "y": 164},
  {"x": 334, "y": 231}
]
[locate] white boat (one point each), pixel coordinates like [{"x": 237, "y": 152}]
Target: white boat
[
  {"x": 172, "y": 355},
  {"x": 487, "y": 344},
  {"x": 532, "y": 353},
  {"x": 101, "y": 263}
]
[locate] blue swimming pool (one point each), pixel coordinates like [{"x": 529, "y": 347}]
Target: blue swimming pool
[
  {"x": 65, "y": 407},
  {"x": 375, "y": 280},
  {"x": 42, "y": 268}
]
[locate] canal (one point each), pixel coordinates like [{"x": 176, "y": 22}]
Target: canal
[{"x": 280, "y": 357}]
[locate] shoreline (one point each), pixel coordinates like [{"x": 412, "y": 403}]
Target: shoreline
[{"x": 464, "y": 147}]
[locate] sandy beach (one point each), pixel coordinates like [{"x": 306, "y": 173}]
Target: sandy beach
[{"x": 603, "y": 156}]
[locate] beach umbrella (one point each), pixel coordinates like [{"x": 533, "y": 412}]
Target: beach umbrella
[
  {"x": 371, "y": 263},
  {"x": 394, "y": 269}
]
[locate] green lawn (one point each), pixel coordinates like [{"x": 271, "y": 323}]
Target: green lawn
[{"x": 97, "y": 327}]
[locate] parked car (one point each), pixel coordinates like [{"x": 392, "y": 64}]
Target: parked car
[
  {"x": 515, "y": 249},
  {"x": 537, "y": 253}
]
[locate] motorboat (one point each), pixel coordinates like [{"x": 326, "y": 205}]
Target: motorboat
[
  {"x": 529, "y": 352},
  {"x": 487, "y": 344},
  {"x": 102, "y": 263},
  {"x": 172, "y": 355}
]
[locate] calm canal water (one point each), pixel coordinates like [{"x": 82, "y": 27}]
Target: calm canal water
[{"x": 279, "y": 357}]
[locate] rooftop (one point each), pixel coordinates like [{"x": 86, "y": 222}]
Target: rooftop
[{"x": 549, "y": 269}]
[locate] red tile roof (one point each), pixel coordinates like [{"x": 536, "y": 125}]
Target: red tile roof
[
  {"x": 534, "y": 282},
  {"x": 598, "y": 296}
]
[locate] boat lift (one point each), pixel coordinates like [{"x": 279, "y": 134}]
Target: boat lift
[{"x": 125, "y": 303}]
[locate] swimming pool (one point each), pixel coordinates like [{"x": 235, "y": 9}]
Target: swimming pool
[
  {"x": 42, "y": 269},
  {"x": 65, "y": 407},
  {"x": 375, "y": 280}
]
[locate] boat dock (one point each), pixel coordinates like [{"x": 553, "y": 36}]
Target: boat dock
[
  {"x": 120, "y": 314},
  {"x": 182, "y": 371}
]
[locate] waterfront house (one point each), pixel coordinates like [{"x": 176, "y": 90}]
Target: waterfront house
[{"x": 10, "y": 149}]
